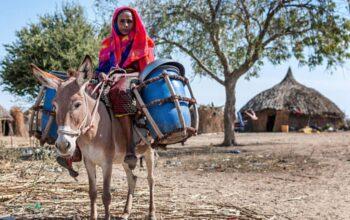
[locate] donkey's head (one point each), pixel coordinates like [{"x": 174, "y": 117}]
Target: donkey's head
[{"x": 70, "y": 103}]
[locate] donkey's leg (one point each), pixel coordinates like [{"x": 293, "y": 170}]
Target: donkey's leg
[
  {"x": 150, "y": 160},
  {"x": 106, "y": 195},
  {"x": 131, "y": 189},
  {"x": 91, "y": 171}
]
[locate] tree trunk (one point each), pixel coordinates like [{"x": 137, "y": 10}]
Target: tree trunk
[{"x": 229, "y": 113}]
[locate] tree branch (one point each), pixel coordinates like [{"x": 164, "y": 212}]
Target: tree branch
[
  {"x": 213, "y": 11},
  {"x": 214, "y": 37},
  {"x": 192, "y": 15},
  {"x": 251, "y": 59},
  {"x": 246, "y": 23},
  {"x": 193, "y": 56},
  {"x": 289, "y": 31}
]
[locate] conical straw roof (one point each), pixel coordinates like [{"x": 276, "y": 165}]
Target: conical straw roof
[{"x": 290, "y": 95}]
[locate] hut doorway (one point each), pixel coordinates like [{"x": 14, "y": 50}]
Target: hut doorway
[
  {"x": 6, "y": 128},
  {"x": 270, "y": 122}
]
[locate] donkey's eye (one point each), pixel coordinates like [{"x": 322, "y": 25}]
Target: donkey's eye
[{"x": 76, "y": 105}]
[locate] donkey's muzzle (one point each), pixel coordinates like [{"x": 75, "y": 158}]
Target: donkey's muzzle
[{"x": 63, "y": 146}]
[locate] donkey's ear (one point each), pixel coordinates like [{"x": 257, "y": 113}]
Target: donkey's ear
[
  {"x": 45, "y": 78},
  {"x": 85, "y": 71}
]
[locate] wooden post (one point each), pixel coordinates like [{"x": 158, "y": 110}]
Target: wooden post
[
  {"x": 10, "y": 124},
  {"x": 176, "y": 101},
  {"x": 46, "y": 130},
  {"x": 195, "y": 109},
  {"x": 35, "y": 112},
  {"x": 146, "y": 112}
]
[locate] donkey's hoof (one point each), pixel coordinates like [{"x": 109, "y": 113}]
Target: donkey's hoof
[
  {"x": 125, "y": 216},
  {"x": 151, "y": 217}
]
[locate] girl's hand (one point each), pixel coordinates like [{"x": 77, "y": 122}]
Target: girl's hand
[{"x": 102, "y": 77}]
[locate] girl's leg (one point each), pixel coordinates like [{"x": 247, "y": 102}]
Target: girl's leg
[{"x": 130, "y": 156}]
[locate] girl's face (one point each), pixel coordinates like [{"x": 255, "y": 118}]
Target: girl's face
[{"x": 125, "y": 22}]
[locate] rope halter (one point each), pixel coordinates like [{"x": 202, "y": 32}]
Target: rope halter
[{"x": 83, "y": 128}]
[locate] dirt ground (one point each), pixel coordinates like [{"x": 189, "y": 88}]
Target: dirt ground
[{"x": 269, "y": 176}]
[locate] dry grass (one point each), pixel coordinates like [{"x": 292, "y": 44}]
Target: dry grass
[
  {"x": 248, "y": 162},
  {"x": 272, "y": 176},
  {"x": 39, "y": 189}
]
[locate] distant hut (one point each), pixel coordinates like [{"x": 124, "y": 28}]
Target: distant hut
[
  {"x": 293, "y": 104},
  {"x": 211, "y": 119},
  {"x": 6, "y": 122}
]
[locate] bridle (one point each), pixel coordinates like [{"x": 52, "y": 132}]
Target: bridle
[{"x": 83, "y": 128}]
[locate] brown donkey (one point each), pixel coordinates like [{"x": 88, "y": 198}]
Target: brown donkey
[{"x": 81, "y": 120}]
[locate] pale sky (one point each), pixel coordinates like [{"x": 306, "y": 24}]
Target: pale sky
[{"x": 16, "y": 14}]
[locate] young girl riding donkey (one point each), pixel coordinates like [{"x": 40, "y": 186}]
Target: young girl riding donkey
[{"x": 129, "y": 48}]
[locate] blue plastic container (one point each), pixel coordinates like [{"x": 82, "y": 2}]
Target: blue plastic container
[
  {"x": 49, "y": 95},
  {"x": 165, "y": 115}
]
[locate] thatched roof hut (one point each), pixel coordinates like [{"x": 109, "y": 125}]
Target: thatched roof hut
[
  {"x": 291, "y": 103},
  {"x": 6, "y": 122}
]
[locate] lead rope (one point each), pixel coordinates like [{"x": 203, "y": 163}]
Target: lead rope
[{"x": 84, "y": 130}]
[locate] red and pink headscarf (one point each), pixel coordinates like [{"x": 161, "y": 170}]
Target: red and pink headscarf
[{"x": 141, "y": 49}]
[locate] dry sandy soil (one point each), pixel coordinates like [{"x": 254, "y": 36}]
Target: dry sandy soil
[{"x": 269, "y": 176}]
